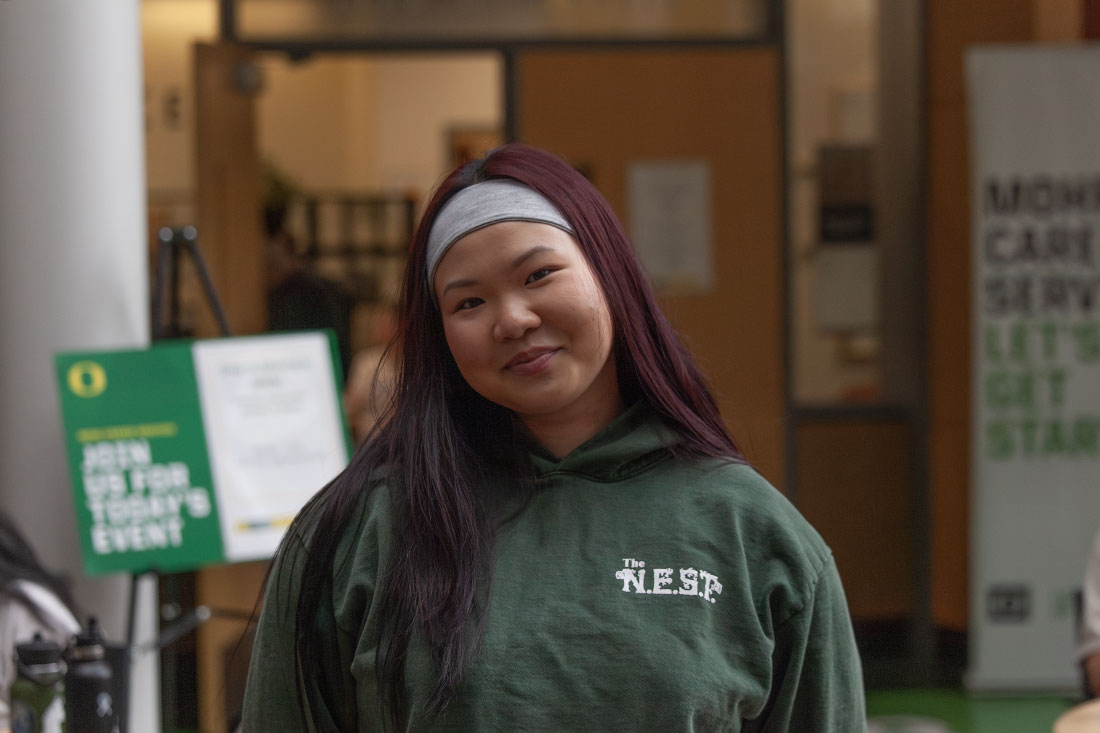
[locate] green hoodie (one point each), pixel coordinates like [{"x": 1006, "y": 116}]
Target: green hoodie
[{"x": 636, "y": 592}]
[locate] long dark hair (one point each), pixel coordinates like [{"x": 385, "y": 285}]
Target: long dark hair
[{"x": 438, "y": 439}]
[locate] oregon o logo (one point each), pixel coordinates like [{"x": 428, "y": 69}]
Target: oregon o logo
[{"x": 87, "y": 379}]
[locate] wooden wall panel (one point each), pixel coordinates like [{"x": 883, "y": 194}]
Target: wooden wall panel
[
  {"x": 952, "y": 27},
  {"x": 601, "y": 110},
  {"x": 228, "y": 189},
  {"x": 228, "y": 195},
  {"x": 855, "y": 486}
]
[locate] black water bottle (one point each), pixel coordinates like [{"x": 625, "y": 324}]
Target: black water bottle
[{"x": 89, "y": 707}]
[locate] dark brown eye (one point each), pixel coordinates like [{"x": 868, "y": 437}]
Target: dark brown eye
[
  {"x": 538, "y": 274},
  {"x": 468, "y": 304}
]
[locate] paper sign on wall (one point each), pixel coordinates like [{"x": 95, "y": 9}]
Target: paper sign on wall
[
  {"x": 195, "y": 453},
  {"x": 670, "y": 223}
]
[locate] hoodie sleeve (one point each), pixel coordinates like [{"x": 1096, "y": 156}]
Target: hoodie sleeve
[
  {"x": 817, "y": 679},
  {"x": 275, "y": 692}
]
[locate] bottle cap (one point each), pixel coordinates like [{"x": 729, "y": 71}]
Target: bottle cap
[
  {"x": 89, "y": 642},
  {"x": 38, "y": 651}
]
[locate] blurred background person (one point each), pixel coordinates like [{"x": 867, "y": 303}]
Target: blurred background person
[
  {"x": 371, "y": 376},
  {"x": 298, "y": 298}
]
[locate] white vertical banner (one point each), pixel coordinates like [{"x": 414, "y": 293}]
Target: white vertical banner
[{"x": 1035, "y": 456}]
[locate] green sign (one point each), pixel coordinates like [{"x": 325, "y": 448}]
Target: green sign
[{"x": 188, "y": 454}]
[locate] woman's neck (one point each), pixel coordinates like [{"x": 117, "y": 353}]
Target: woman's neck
[{"x": 561, "y": 434}]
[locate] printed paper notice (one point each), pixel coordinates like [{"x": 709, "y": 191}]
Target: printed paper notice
[
  {"x": 670, "y": 223},
  {"x": 273, "y": 430}
]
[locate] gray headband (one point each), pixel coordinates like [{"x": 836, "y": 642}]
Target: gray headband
[{"x": 482, "y": 204}]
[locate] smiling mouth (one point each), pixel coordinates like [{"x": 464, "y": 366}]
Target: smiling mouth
[{"x": 530, "y": 362}]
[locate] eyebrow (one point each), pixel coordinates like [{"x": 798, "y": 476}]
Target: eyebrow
[
  {"x": 537, "y": 249},
  {"x": 517, "y": 262},
  {"x": 456, "y": 284}
]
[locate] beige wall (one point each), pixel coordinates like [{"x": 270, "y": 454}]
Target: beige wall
[
  {"x": 417, "y": 99},
  {"x": 373, "y": 122},
  {"x": 311, "y": 119},
  {"x": 169, "y": 30}
]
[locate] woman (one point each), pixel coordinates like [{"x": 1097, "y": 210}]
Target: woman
[{"x": 551, "y": 530}]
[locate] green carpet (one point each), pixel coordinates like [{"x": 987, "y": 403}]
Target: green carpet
[{"x": 970, "y": 713}]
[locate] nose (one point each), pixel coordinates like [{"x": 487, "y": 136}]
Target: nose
[{"x": 515, "y": 318}]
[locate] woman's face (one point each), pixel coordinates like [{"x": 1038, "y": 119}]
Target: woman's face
[{"x": 529, "y": 328}]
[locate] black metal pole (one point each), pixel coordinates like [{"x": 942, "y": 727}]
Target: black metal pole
[
  {"x": 164, "y": 263},
  {"x": 190, "y": 238}
]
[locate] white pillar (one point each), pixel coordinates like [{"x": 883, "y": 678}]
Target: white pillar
[{"x": 73, "y": 263}]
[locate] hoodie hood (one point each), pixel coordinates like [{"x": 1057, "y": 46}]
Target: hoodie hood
[{"x": 633, "y": 442}]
